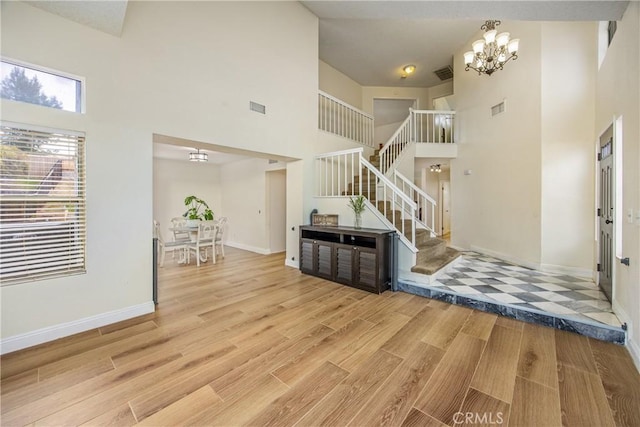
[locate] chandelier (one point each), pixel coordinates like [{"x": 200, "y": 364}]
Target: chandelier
[
  {"x": 435, "y": 168},
  {"x": 198, "y": 156},
  {"x": 492, "y": 52}
]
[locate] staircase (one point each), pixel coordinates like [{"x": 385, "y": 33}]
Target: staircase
[
  {"x": 392, "y": 198},
  {"x": 432, "y": 253}
]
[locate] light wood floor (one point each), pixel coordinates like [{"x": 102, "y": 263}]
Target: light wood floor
[{"x": 250, "y": 342}]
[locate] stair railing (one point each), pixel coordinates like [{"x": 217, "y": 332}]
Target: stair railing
[
  {"x": 426, "y": 211},
  {"x": 432, "y": 126},
  {"x": 396, "y": 144},
  {"x": 338, "y": 117},
  {"x": 336, "y": 176},
  {"x": 336, "y": 170},
  {"x": 391, "y": 202}
]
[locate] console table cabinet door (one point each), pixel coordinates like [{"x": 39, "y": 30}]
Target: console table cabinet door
[
  {"x": 366, "y": 268},
  {"x": 324, "y": 258},
  {"x": 306, "y": 256},
  {"x": 353, "y": 257},
  {"x": 316, "y": 258}
]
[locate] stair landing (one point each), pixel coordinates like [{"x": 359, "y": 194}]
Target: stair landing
[{"x": 488, "y": 284}]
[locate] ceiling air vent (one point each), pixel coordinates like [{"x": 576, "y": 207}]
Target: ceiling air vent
[
  {"x": 445, "y": 73},
  {"x": 258, "y": 108}
]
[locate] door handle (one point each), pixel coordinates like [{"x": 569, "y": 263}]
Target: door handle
[{"x": 608, "y": 222}]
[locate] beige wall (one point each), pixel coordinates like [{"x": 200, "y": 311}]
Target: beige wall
[
  {"x": 245, "y": 195},
  {"x": 439, "y": 91},
  {"x": 618, "y": 95},
  {"x": 530, "y": 194},
  {"x": 179, "y": 74},
  {"x": 339, "y": 85},
  {"x": 568, "y": 155},
  {"x": 496, "y": 208},
  {"x": 173, "y": 180}
]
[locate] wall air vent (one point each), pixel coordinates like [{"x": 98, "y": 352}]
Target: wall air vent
[
  {"x": 445, "y": 73},
  {"x": 258, "y": 108},
  {"x": 272, "y": 161},
  {"x": 498, "y": 108}
]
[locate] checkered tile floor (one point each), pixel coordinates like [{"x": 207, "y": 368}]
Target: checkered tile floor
[{"x": 496, "y": 280}]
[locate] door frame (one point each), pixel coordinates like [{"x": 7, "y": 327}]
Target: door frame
[{"x": 441, "y": 185}]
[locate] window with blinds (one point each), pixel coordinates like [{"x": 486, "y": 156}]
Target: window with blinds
[{"x": 42, "y": 203}]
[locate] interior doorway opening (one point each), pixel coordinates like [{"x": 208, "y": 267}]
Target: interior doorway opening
[
  {"x": 388, "y": 115},
  {"x": 438, "y": 186}
]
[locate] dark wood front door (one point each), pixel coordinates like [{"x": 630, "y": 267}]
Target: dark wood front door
[{"x": 606, "y": 213}]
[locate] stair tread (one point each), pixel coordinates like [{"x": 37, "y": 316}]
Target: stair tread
[{"x": 436, "y": 263}]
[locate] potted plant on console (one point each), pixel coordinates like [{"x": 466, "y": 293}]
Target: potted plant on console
[
  {"x": 357, "y": 204},
  {"x": 197, "y": 210}
]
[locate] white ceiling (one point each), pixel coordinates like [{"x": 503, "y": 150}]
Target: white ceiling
[
  {"x": 107, "y": 16},
  {"x": 370, "y": 41},
  {"x": 181, "y": 153},
  {"x": 174, "y": 148}
]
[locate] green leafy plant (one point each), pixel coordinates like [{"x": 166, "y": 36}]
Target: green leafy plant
[
  {"x": 357, "y": 204},
  {"x": 197, "y": 209}
]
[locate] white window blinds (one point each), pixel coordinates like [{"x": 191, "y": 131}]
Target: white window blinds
[{"x": 42, "y": 203}]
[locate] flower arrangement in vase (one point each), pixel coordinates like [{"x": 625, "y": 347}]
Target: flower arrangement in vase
[{"x": 357, "y": 204}]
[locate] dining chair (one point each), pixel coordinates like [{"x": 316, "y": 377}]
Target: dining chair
[
  {"x": 219, "y": 240},
  {"x": 164, "y": 247},
  {"x": 204, "y": 241},
  {"x": 176, "y": 222}
]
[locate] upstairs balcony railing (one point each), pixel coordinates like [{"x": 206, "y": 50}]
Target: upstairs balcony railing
[
  {"x": 420, "y": 127},
  {"x": 338, "y": 117}
]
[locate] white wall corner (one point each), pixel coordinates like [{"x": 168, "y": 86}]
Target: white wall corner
[
  {"x": 632, "y": 345},
  {"x": 50, "y": 333},
  {"x": 292, "y": 264}
]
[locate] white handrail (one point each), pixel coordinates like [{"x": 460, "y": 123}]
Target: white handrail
[
  {"x": 386, "y": 191},
  {"x": 423, "y": 199},
  {"x": 339, "y": 101},
  {"x": 449, "y": 112},
  {"x": 396, "y": 144},
  {"x": 338, "y": 117},
  {"x": 335, "y": 171},
  {"x": 341, "y": 152}
]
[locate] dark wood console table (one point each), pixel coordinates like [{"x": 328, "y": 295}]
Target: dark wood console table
[{"x": 361, "y": 258}]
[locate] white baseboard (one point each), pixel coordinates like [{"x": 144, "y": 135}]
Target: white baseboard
[
  {"x": 571, "y": 271},
  {"x": 50, "y": 333},
  {"x": 255, "y": 249},
  {"x": 632, "y": 345},
  {"x": 294, "y": 264},
  {"x": 546, "y": 268}
]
